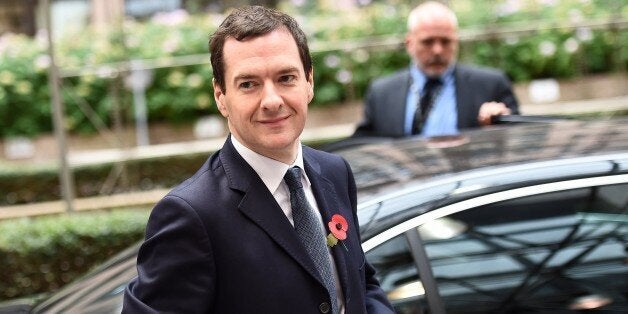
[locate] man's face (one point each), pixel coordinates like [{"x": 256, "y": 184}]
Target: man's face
[
  {"x": 266, "y": 94},
  {"x": 433, "y": 45}
]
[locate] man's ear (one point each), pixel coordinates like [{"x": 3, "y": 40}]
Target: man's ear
[
  {"x": 219, "y": 96},
  {"x": 408, "y": 42},
  {"x": 310, "y": 81}
]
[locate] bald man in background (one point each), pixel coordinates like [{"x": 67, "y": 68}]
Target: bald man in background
[{"x": 434, "y": 96}]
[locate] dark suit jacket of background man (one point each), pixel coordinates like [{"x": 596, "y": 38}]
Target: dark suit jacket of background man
[
  {"x": 238, "y": 251},
  {"x": 385, "y": 101}
]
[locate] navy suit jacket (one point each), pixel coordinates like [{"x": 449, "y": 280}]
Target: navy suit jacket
[
  {"x": 220, "y": 243},
  {"x": 385, "y": 101}
]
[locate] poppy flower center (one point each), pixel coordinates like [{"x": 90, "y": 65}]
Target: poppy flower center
[{"x": 339, "y": 226}]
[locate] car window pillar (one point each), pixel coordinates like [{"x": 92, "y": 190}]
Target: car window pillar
[{"x": 422, "y": 263}]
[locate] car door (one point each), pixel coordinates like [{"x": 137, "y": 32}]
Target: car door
[{"x": 553, "y": 247}]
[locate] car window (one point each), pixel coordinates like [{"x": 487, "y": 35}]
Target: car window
[
  {"x": 557, "y": 251},
  {"x": 398, "y": 275}
]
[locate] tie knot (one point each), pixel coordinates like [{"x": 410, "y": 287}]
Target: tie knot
[
  {"x": 293, "y": 178},
  {"x": 432, "y": 82}
]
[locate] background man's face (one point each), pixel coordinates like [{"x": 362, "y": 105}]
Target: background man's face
[{"x": 433, "y": 45}]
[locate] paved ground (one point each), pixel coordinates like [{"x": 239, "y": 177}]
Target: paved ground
[{"x": 342, "y": 124}]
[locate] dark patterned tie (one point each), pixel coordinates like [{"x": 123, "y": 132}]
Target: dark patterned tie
[
  {"x": 308, "y": 227},
  {"x": 428, "y": 95}
]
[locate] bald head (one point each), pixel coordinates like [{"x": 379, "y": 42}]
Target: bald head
[
  {"x": 432, "y": 39},
  {"x": 431, "y": 12}
]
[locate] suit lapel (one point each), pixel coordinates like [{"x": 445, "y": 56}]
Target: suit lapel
[
  {"x": 328, "y": 205},
  {"x": 399, "y": 96},
  {"x": 464, "y": 94},
  {"x": 261, "y": 208},
  {"x": 264, "y": 211}
]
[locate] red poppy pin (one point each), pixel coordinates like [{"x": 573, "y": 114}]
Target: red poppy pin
[{"x": 338, "y": 227}]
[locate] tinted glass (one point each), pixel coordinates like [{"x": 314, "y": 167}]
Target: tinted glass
[
  {"x": 398, "y": 275},
  {"x": 554, "y": 252}
]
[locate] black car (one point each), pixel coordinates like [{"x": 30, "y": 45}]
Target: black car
[
  {"x": 521, "y": 219},
  {"x": 529, "y": 218}
]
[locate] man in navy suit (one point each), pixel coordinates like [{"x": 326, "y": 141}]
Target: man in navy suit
[
  {"x": 223, "y": 241},
  {"x": 464, "y": 96}
]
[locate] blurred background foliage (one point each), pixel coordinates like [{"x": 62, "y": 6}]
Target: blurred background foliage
[
  {"x": 19, "y": 185},
  {"x": 58, "y": 249},
  {"x": 351, "y": 44}
]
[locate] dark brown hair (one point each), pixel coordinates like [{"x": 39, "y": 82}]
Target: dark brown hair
[{"x": 250, "y": 22}]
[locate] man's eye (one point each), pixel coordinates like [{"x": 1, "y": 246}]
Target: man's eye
[
  {"x": 246, "y": 85},
  {"x": 287, "y": 78},
  {"x": 432, "y": 41},
  {"x": 427, "y": 42}
]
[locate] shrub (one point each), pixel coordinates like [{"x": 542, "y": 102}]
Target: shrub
[
  {"x": 25, "y": 185},
  {"x": 42, "y": 254}
]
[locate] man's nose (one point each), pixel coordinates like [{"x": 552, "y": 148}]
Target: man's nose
[
  {"x": 437, "y": 47},
  {"x": 270, "y": 97}
]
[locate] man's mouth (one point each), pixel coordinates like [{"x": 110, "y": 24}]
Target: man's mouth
[
  {"x": 273, "y": 120},
  {"x": 437, "y": 63}
]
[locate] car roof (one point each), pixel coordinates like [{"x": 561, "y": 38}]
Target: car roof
[
  {"x": 392, "y": 162},
  {"x": 448, "y": 169}
]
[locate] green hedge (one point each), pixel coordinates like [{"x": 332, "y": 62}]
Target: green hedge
[
  {"x": 181, "y": 91},
  {"x": 19, "y": 185},
  {"x": 45, "y": 253},
  {"x": 24, "y": 185}
]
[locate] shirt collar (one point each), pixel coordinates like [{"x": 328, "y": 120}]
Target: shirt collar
[
  {"x": 269, "y": 170},
  {"x": 419, "y": 78}
]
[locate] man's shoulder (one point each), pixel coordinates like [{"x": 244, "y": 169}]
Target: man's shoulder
[
  {"x": 330, "y": 166},
  {"x": 204, "y": 180},
  {"x": 321, "y": 156},
  {"x": 325, "y": 161},
  {"x": 480, "y": 71},
  {"x": 392, "y": 80}
]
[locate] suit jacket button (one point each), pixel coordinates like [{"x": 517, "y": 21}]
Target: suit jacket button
[{"x": 324, "y": 307}]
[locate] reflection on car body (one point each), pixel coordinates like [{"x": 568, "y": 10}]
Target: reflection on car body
[
  {"x": 545, "y": 252},
  {"x": 525, "y": 219},
  {"x": 518, "y": 219}
]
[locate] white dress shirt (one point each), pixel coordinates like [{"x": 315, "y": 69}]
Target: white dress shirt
[{"x": 272, "y": 172}]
